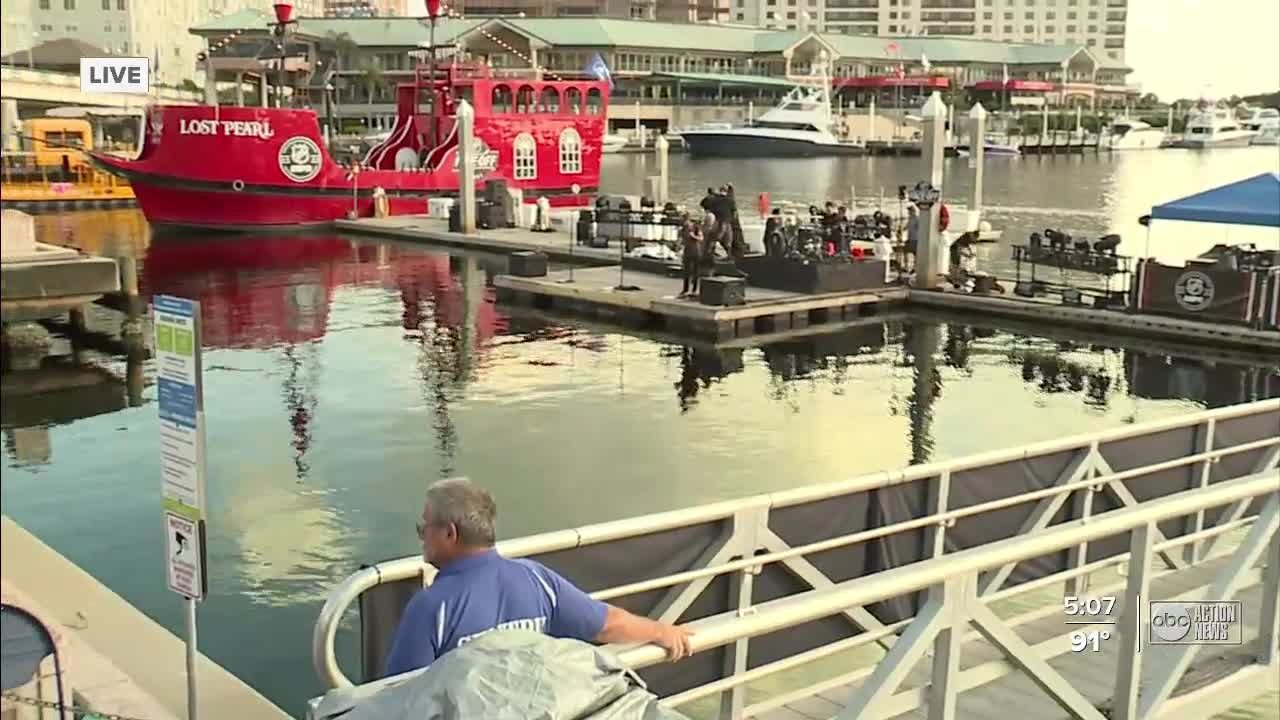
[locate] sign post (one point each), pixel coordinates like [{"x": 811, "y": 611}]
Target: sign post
[{"x": 182, "y": 461}]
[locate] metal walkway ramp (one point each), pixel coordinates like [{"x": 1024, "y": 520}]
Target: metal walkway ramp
[{"x": 1014, "y": 694}]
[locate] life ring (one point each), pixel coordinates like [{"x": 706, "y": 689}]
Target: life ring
[
  {"x": 762, "y": 204},
  {"x": 237, "y": 185},
  {"x": 944, "y": 217}
]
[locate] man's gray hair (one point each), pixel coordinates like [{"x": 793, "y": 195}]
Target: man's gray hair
[{"x": 469, "y": 507}]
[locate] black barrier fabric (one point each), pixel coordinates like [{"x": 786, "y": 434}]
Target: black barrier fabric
[
  {"x": 633, "y": 559},
  {"x": 1197, "y": 294}
]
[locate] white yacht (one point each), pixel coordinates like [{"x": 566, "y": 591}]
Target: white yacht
[
  {"x": 1215, "y": 128},
  {"x": 1130, "y": 134},
  {"x": 613, "y": 143},
  {"x": 801, "y": 125},
  {"x": 1266, "y": 123}
]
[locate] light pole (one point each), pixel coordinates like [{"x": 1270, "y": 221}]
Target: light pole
[
  {"x": 284, "y": 18},
  {"x": 31, "y": 51},
  {"x": 433, "y": 14}
]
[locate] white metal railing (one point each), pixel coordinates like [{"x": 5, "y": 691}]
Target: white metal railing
[
  {"x": 1089, "y": 472},
  {"x": 954, "y": 604}
]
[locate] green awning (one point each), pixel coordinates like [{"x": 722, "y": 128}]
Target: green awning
[{"x": 726, "y": 79}]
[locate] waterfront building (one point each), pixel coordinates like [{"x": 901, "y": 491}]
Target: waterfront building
[
  {"x": 667, "y": 74},
  {"x": 660, "y": 10},
  {"x": 368, "y": 8},
  {"x": 1096, "y": 24},
  {"x": 155, "y": 29}
]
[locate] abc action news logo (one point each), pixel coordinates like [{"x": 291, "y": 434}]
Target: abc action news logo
[{"x": 115, "y": 75}]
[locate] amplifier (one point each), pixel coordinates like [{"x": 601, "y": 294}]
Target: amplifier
[{"x": 527, "y": 263}]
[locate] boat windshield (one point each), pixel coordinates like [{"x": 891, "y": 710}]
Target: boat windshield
[{"x": 775, "y": 125}]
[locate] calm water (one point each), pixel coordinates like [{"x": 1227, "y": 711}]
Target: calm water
[{"x": 342, "y": 378}]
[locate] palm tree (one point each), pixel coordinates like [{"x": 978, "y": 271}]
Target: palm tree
[
  {"x": 371, "y": 75},
  {"x": 342, "y": 46}
]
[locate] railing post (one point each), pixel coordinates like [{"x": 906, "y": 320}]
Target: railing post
[
  {"x": 1129, "y": 663},
  {"x": 939, "y": 498},
  {"x": 955, "y": 594},
  {"x": 1269, "y": 620},
  {"x": 1079, "y": 555},
  {"x": 1194, "y": 551},
  {"x": 747, "y": 527}
]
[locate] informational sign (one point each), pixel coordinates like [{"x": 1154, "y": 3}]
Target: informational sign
[{"x": 182, "y": 459}]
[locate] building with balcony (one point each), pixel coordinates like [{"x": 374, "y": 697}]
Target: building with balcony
[
  {"x": 666, "y": 74},
  {"x": 660, "y": 10},
  {"x": 1096, "y": 24},
  {"x": 367, "y": 8}
]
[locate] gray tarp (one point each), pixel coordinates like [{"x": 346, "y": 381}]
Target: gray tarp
[{"x": 508, "y": 675}]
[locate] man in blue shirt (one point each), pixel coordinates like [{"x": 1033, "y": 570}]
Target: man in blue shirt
[{"x": 476, "y": 590}]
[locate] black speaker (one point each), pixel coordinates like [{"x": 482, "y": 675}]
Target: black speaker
[
  {"x": 527, "y": 263},
  {"x": 495, "y": 190},
  {"x": 455, "y": 218},
  {"x": 722, "y": 291}
]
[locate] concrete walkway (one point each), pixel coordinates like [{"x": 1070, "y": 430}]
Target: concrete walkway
[
  {"x": 420, "y": 228},
  {"x": 120, "y": 660}
]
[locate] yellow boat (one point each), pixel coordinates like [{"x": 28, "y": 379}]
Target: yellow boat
[{"x": 53, "y": 172}]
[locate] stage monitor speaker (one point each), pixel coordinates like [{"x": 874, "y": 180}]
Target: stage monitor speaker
[
  {"x": 527, "y": 263},
  {"x": 722, "y": 291}
]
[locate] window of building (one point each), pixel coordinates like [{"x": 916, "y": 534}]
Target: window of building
[
  {"x": 107, "y": 27},
  {"x": 1008, "y": 16},
  {"x": 573, "y": 101},
  {"x": 47, "y": 28},
  {"x": 893, "y": 29},
  {"x": 1071, "y": 28},
  {"x": 893, "y": 15},
  {"x": 792, "y": 3},
  {"x": 177, "y": 52},
  {"x": 526, "y": 157},
  {"x": 1049, "y": 29},
  {"x": 791, "y": 16},
  {"x": 1051, "y": 15},
  {"x": 639, "y": 12},
  {"x": 570, "y": 151},
  {"x": 1030, "y": 16},
  {"x": 595, "y": 103},
  {"x": 906, "y": 15},
  {"x": 501, "y": 99},
  {"x": 1029, "y": 29},
  {"x": 68, "y": 4},
  {"x": 524, "y": 100},
  {"x": 1093, "y": 42},
  {"x": 73, "y": 28},
  {"x": 44, "y": 4},
  {"x": 120, "y": 4},
  {"x": 986, "y": 29},
  {"x": 1008, "y": 29},
  {"x": 768, "y": 15},
  {"x": 1072, "y": 15},
  {"x": 106, "y": 4},
  {"x": 1093, "y": 28},
  {"x": 741, "y": 17},
  {"x": 987, "y": 15}
]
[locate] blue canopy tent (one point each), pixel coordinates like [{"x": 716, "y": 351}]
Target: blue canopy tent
[{"x": 1255, "y": 201}]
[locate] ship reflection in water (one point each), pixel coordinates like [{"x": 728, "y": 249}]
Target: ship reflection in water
[{"x": 341, "y": 377}]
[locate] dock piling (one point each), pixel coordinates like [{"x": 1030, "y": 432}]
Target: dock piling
[
  {"x": 466, "y": 166},
  {"x": 977, "y": 151},
  {"x": 929, "y": 252},
  {"x": 661, "y": 149}
]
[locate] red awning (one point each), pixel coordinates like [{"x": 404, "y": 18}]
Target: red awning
[
  {"x": 932, "y": 82},
  {"x": 1023, "y": 85}
]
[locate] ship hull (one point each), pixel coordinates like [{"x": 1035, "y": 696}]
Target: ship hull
[{"x": 732, "y": 145}]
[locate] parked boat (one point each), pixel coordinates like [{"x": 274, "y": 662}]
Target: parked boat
[
  {"x": 1266, "y": 123},
  {"x": 613, "y": 143},
  {"x": 241, "y": 167},
  {"x": 802, "y": 125},
  {"x": 1130, "y": 134},
  {"x": 993, "y": 147},
  {"x": 1215, "y": 128}
]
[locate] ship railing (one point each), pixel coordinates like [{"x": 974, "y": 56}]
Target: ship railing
[
  {"x": 1220, "y": 457},
  {"x": 23, "y": 176}
]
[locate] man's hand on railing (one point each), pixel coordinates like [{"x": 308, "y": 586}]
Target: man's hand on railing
[{"x": 621, "y": 626}]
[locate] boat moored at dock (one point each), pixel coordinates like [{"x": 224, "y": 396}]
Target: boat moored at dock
[{"x": 241, "y": 167}]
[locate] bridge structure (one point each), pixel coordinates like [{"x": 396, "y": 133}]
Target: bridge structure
[
  {"x": 36, "y": 90},
  {"x": 1035, "y": 580}
]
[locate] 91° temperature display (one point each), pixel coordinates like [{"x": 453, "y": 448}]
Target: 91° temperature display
[{"x": 1089, "y": 611}]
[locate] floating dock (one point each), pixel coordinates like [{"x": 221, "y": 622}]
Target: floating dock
[
  {"x": 593, "y": 293},
  {"x": 651, "y": 301},
  {"x": 1113, "y": 321}
]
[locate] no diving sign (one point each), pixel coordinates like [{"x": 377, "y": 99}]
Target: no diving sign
[{"x": 184, "y": 553}]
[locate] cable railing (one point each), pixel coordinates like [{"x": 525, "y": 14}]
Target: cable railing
[{"x": 1087, "y": 473}]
